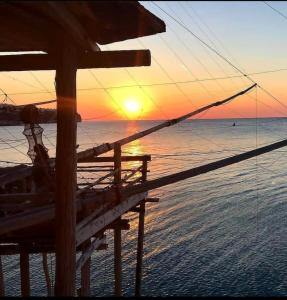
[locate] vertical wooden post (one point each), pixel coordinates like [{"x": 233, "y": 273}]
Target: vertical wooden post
[
  {"x": 117, "y": 229},
  {"x": 140, "y": 238},
  {"x": 47, "y": 275},
  {"x": 25, "y": 274},
  {"x": 66, "y": 170},
  {"x": 85, "y": 274},
  {"x": 2, "y": 284}
]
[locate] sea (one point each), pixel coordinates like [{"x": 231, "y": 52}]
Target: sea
[{"x": 223, "y": 233}]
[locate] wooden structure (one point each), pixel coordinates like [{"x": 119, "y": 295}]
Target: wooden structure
[
  {"x": 73, "y": 217},
  {"x": 69, "y": 33}
]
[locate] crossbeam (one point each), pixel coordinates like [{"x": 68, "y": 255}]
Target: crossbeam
[
  {"x": 88, "y": 60},
  {"x": 40, "y": 215}
]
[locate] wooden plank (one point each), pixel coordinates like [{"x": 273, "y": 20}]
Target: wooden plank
[
  {"x": 89, "y": 60},
  {"x": 25, "y": 274},
  {"x": 36, "y": 216},
  {"x": 2, "y": 282},
  {"x": 173, "y": 178},
  {"x": 85, "y": 273},
  {"x": 94, "y": 226},
  {"x": 47, "y": 274},
  {"x": 96, "y": 243},
  {"x": 140, "y": 250},
  {"x": 66, "y": 164},
  {"x": 20, "y": 198},
  {"x": 111, "y": 159}
]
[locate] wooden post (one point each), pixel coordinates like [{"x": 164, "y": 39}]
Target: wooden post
[
  {"x": 117, "y": 229},
  {"x": 140, "y": 238},
  {"x": 85, "y": 273},
  {"x": 25, "y": 274},
  {"x": 2, "y": 284},
  {"x": 66, "y": 170},
  {"x": 47, "y": 275}
]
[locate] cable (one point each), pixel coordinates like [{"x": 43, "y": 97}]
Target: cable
[
  {"x": 219, "y": 54},
  {"x": 276, "y": 10}
]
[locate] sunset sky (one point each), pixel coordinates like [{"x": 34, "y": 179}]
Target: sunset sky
[{"x": 250, "y": 34}]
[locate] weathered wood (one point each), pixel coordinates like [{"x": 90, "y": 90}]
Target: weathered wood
[
  {"x": 25, "y": 274},
  {"x": 89, "y": 60},
  {"x": 117, "y": 229},
  {"x": 96, "y": 243},
  {"x": 140, "y": 250},
  {"x": 47, "y": 275},
  {"x": 123, "y": 224},
  {"x": 152, "y": 200},
  {"x": 21, "y": 198},
  {"x": 66, "y": 164},
  {"x": 111, "y": 159},
  {"x": 85, "y": 273},
  {"x": 94, "y": 226},
  {"x": 2, "y": 282},
  {"x": 36, "y": 216}
]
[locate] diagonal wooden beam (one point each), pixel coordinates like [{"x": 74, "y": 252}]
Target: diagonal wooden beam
[{"x": 89, "y": 60}]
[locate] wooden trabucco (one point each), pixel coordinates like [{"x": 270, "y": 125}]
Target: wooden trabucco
[{"x": 96, "y": 176}]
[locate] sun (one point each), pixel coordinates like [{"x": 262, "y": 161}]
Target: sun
[{"x": 132, "y": 105}]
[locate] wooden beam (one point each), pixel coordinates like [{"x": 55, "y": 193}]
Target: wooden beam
[
  {"x": 99, "y": 223},
  {"x": 89, "y": 60},
  {"x": 2, "y": 282},
  {"x": 47, "y": 275},
  {"x": 173, "y": 178},
  {"x": 66, "y": 165},
  {"x": 96, "y": 243},
  {"x": 25, "y": 274},
  {"x": 140, "y": 250}
]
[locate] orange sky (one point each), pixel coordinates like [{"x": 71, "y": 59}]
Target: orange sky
[{"x": 176, "y": 56}]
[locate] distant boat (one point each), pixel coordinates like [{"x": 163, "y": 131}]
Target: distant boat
[{"x": 233, "y": 124}]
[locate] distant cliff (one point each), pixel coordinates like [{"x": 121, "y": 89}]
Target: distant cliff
[{"x": 10, "y": 115}]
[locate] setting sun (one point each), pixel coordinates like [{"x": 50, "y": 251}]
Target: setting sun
[{"x": 132, "y": 105}]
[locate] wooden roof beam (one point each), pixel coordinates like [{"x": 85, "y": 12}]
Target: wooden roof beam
[{"x": 89, "y": 60}]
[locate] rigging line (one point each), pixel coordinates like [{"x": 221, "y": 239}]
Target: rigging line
[
  {"x": 214, "y": 35},
  {"x": 13, "y": 147},
  {"x": 102, "y": 116},
  {"x": 151, "y": 84},
  {"x": 209, "y": 54},
  {"x": 108, "y": 93},
  {"x": 276, "y": 10},
  {"x": 38, "y": 103},
  {"x": 19, "y": 80},
  {"x": 249, "y": 96},
  {"x": 109, "y": 146},
  {"x": 188, "y": 69},
  {"x": 42, "y": 85},
  {"x": 206, "y": 51},
  {"x": 6, "y": 96},
  {"x": 220, "y": 55}
]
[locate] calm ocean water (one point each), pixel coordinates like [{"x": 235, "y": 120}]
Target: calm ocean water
[{"x": 221, "y": 233}]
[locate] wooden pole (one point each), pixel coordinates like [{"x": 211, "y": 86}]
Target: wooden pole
[
  {"x": 25, "y": 274},
  {"x": 140, "y": 238},
  {"x": 117, "y": 229},
  {"x": 47, "y": 275},
  {"x": 2, "y": 283},
  {"x": 140, "y": 250},
  {"x": 85, "y": 273},
  {"x": 66, "y": 171}
]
